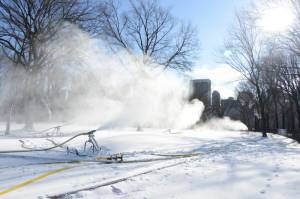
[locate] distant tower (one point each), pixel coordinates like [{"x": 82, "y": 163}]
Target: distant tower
[
  {"x": 202, "y": 91},
  {"x": 216, "y": 99},
  {"x": 216, "y": 104}
]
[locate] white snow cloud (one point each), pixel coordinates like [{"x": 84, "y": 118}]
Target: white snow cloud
[{"x": 120, "y": 89}]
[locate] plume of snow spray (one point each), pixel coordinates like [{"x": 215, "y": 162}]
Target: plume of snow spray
[
  {"x": 223, "y": 124},
  {"x": 88, "y": 85},
  {"x": 118, "y": 89}
]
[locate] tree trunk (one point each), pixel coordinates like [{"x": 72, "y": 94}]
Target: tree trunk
[
  {"x": 298, "y": 114},
  {"x": 28, "y": 115},
  {"x": 276, "y": 116},
  {"x": 8, "y": 119},
  {"x": 256, "y": 124},
  {"x": 263, "y": 116},
  {"x": 48, "y": 108},
  {"x": 264, "y": 126},
  {"x": 283, "y": 117},
  {"x": 29, "y": 97},
  {"x": 291, "y": 119},
  {"x": 267, "y": 121}
]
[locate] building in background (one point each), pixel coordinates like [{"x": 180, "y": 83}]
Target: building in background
[
  {"x": 201, "y": 90},
  {"x": 216, "y": 104},
  {"x": 230, "y": 108}
]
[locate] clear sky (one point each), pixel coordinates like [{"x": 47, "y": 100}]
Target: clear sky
[{"x": 212, "y": 19}]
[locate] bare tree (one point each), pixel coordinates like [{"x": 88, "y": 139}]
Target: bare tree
[
  {"x": 290, "y": 75},
  {"x": 273, "y": 62},
  {"x": 244, "y": 52},
  {"x": 7, "y": 90},
  {"x": 290, "y": 82},
  {"x": 292, "y": 40},
  {"x": 147, "y": 28},
  {"x": 24, "y": 29},
  {"x": 270, "y": 65}
]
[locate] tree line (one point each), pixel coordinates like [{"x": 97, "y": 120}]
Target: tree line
[{"x": 270, "y": 91}]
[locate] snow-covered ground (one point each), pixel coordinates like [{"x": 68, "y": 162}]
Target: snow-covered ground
[{"x": 229, "y": 164}]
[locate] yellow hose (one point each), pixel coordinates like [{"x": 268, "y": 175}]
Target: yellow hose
[{"x": 23, "y": 184}]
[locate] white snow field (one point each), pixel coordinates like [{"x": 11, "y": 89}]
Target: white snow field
[{"x": 226, "y": 164}]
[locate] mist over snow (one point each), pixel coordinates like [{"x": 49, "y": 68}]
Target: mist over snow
[
  {"x": 225, "y": 124},
  {"x": 114, "y": 89}
]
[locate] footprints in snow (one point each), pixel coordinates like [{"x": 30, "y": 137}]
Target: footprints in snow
[
  {"x": 116, "y": 190},
  {"x": 262, "y": 191},
  {"x": 269, "y": 180}
]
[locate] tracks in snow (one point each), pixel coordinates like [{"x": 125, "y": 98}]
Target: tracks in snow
[
  {"x": 141, "y": 171},
  {"x": 114, "y": 181},
  {"x": 81, "y": 163}
]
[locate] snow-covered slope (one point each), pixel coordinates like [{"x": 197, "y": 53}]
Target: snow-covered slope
[{"x": 229, "y": 164}]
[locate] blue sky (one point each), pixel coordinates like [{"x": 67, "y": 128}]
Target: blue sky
[{"x": 212, "y": 19}]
